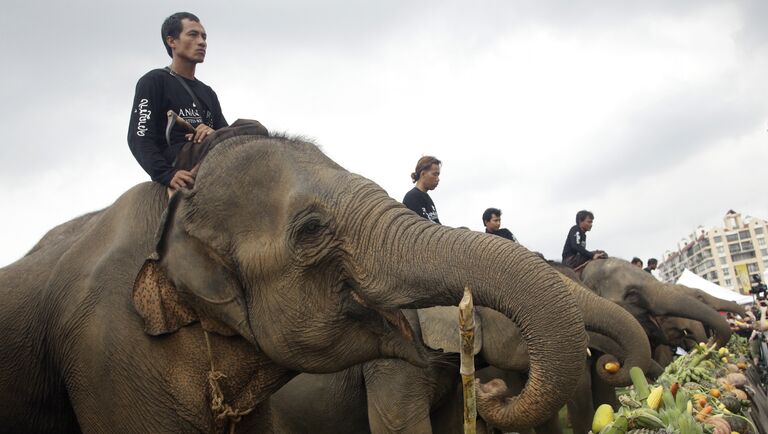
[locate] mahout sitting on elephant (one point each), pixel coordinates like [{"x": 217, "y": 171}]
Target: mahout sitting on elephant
[{"x": 289, "y": 263}]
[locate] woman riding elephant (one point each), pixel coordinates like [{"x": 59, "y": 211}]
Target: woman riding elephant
[{"x": 278, "y": 261}]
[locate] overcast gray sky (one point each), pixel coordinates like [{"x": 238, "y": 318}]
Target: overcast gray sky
[{"x": 652, "y": 114}]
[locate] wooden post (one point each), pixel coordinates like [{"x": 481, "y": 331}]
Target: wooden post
[{"x": 467, "y": 370}]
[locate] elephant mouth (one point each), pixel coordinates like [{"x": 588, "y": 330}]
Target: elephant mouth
[{"x": 394, "y": 317}]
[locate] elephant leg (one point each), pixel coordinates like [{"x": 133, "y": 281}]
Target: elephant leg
[
  {"x": 551, "y": 426},
  {"x": 663, "y": 355},
  {"x": 580, "y": 407},
  {"x": 399, "y": 396}
]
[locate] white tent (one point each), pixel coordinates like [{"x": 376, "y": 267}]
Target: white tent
[{"x": 693, "y": 280}]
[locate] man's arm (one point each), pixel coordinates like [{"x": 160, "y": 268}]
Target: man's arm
[
  {"x": 145, "y": 131},
  {"x": 217, "y": 119}
]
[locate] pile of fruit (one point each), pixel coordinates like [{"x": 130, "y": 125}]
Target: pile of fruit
[{"x": 699, "y": 393}]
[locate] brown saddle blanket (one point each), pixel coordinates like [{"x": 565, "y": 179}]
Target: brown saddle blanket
[{"x": 191, "y": 154}]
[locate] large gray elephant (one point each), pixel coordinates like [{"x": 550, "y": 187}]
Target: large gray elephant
[
  {"x": 278, "y": 261},
  {"x": 685, "y": 332},
  {"x": 360, "y": 399},
  {"x": 645, "y": 297}
]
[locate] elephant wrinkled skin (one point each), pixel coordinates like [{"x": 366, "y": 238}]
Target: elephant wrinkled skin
[{"x": 293, "y": 264}]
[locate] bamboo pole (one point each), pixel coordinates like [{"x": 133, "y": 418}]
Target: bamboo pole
[{"x": 467, "y": 369}]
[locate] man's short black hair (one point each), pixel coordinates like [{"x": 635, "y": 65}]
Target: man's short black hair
[
  {"x": 583, "y": 215},
  {"x": 652, "y": 261},
  {"x": 637, "y": 260},
  {"x": 488, "y": 214},
  {"x": 172, "y": 27}
]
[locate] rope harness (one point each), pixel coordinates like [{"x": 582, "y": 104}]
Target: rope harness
[{"x": 222, "y": 411}]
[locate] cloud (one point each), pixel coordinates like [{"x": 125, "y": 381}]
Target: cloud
[{"x": 641, "y": 112}]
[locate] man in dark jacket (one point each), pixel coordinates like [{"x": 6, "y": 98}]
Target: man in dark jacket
[
  {"x": 651, "y": 265},
  {"x": 575, "y": 251},
  {"x": 173, "y": 88},
  {"x": 492, "y": 222}
]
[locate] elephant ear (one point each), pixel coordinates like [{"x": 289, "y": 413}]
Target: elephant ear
[
  {"x": 185, "y": 281},
  {"x": 157, "y": 301},
  {"x": 440, "y": 329}
]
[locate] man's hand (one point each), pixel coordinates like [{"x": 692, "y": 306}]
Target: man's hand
[
  {"x": 201, "y": 132},
  {"x": 182, "y": 178},
  {"x": 599, "y": 255}
]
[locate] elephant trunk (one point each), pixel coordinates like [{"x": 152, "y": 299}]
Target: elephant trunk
[
  {"x": 716, "y": 303},
  {"x": 730, "y": 306},
  {"x": 421, "y": 264},
  {"x": 672, "y": 303},
  {"x": 608, "y": 319}
]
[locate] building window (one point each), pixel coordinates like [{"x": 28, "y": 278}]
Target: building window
[
  {"x": 716, "y": 282},
  {"x": 742, "y": 256},
  {"x": 726, "y": 272},
  {"x": 713, "y": 275},
  {"x": 752, "y": 268},
  {"x": 727, "y": 282},
  {"x": 744, "y": 235},
  {"x": 747, "y": 245},
  {"x": 761, "y": 242},
  {"x": 720, "y": 249},
  {"x": 732, "y": 237},
  {"x": 734, "y": 248},
  {"x": 758, "y": 230},
  {"x": 719, "y": 239}
]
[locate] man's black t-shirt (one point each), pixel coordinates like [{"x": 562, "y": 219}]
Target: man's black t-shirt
[
  {"x": 576, "y": 243},
  {"x": 504, "y": 233},
  {"x": 156, "y": 93},
  {"x": 420, "y": 203}
]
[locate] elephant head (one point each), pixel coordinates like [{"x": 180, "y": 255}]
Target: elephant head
[
  {"x": 311, "y": 264},
  {"x": 641, "y": 294},
  {"x": 682, "y": 332}
]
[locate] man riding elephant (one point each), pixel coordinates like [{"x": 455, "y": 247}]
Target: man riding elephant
[
  {"x": 296, "y": 265},
  {"x": 173, "y": 88}
]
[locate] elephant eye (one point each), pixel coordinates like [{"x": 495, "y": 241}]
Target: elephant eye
[{"x": 312, "y": 227}]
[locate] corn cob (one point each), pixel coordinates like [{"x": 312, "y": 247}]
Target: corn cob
[
  {"x": 627, "y": 401},
  {"x": 647, "y": 418},
  {"x": 640, "y": 383},
  {"x": 655, "y": 397}
]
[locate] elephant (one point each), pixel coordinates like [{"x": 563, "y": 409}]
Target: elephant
[
  {"x": 186, "y": 314},
  {"x": 684, "y": 332},
  {"x": 645, "y": 297},
  {"x": 360, "y": 399}
]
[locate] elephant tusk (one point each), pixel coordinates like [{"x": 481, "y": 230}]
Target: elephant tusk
[{"x": 589, "y": 353}]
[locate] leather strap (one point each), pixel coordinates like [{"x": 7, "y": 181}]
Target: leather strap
[{"x": 189, "y": 91}]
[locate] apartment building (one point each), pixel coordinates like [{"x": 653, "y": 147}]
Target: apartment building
[{"x": 727, "y": 256}]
